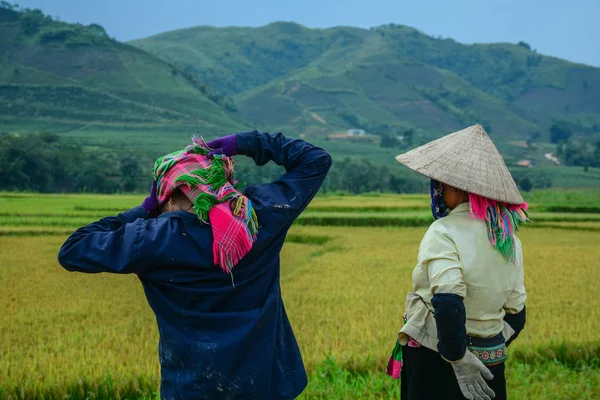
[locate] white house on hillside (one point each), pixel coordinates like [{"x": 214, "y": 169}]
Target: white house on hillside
[{"x": 356, "y": 132}]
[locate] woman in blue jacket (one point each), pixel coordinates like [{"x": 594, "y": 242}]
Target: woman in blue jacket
[{"x": 224, "y": 332}]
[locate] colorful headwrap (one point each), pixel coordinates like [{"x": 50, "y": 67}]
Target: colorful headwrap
[
  {"x": 209, "y": 184},
  {"x": 502, "y": 219}
]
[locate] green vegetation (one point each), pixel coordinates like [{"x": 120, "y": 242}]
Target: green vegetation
[
  {"x": 109, "y": 162},
  {"x": 330, "y": 381},
  {"x": 546, "y": 381},
  {"x": 81, "y": 112},
  {"x": 316, "y": 81},
  {"x": 54, "y": 72},
  {"x": 580, "y": 152},
  {"x": 21, "y": 213},
  {"x": 37, "y": 28},
  {"x": 48, "y": 163},
  {"x": 123, "y": 107},
  {"x": 44, "y": 163}
]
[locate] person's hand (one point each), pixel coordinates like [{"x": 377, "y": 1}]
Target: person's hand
[
  {"x": 470, "y": 372},
  {"x": 226, "y": 145},
  {"x": 150, "y": 204}
]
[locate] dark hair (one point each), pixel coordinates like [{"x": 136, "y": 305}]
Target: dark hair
[{"x": 177, "y": 194}]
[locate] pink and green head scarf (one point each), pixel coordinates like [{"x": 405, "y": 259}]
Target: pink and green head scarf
[
  {"x": 503, "y": 220},
  {"x": 209, "y": 184}
]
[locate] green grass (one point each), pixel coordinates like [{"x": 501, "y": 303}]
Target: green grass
[
  {"x": 63, "y": 203},
  {"x": 45, "y": 221},
  {"x": 331, "y": 381},
  {"x": 67, "y": 215},
  {"x": 565, "y": 197},
  {"x": 572, "y": 209},
  {"x": 30, "y": 213}
]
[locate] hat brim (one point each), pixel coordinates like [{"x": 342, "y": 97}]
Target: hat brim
[{"x": 467, "y": 160}]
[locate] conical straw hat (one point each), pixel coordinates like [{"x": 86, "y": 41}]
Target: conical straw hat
[{"x": 467, "y": 160}]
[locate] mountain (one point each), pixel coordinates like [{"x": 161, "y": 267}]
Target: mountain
[
  {"x": 386, "y": 79},
  {"x": 56, "y": 72},
  {"x": 126, "y": 104}
]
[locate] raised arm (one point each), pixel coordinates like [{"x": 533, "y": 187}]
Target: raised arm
[
  {"x": 306, "y": 167},
  {"x": 122, "y": 244},
  {"x": 109, "y": 245}
]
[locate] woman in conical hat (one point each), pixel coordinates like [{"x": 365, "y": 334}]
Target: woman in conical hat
[{"x": 468, "y": 301}]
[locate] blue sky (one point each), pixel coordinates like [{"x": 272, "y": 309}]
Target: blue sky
[{"x": 566, "y": 29}]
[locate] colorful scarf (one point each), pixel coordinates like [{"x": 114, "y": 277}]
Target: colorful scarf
[
  {"x": 502, "y": 221},
  {"x": 394, "y": 365},
  {"x": 209, "y": 184}
]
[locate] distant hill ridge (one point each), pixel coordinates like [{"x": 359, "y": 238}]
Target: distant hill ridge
[
  {"x": 283, "y": 76},
  {"x": 387, "y": 78},
  {"x": 54, "y": 71}
]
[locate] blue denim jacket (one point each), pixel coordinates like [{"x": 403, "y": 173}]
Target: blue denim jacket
[{"x": 217, "y": 341}]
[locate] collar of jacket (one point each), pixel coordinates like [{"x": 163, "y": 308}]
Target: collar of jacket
[
  {"x": 462, "y": 207},
  {"x": 185, "y": 216}
]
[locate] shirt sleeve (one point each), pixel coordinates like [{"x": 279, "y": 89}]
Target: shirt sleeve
[
  {"x": 306, "y": 168},
  {"x": 517, "y": 297},
  {"x": 120, "y": 244},
  {"x": 438, "y": 253}
]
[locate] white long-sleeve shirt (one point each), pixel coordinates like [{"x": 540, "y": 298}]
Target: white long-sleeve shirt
[{"x": 457, "y": 257}]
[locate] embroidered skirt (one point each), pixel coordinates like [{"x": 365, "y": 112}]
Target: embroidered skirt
[
  {"x": 426, "y": 376},
  {"x": 490, "y": 351}
]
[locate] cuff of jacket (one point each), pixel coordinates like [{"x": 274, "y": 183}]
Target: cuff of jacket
[
  {"x": 246, "y": 142},
  {"x": 517, "y": 322},
  {"x": 452, "y": 361},
  {"x": 133, "y": 214},
  {"x": 450, "y": 318}
]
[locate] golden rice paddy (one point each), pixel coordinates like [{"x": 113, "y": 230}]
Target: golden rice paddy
[{"x": 343, "y": 288}]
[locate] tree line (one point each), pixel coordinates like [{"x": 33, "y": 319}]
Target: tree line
[
  {"x": 48, "y": 163},
  {"x": 38, "y": 28},
  {"x": 576, "y": 150}
]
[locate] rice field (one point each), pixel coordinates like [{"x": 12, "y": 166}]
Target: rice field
[{"x": 77, "y": 336}]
